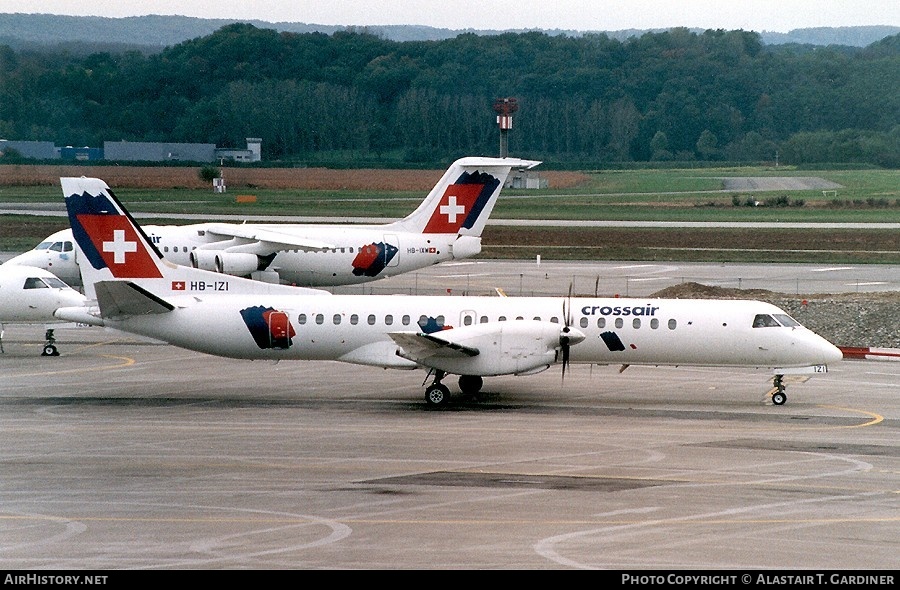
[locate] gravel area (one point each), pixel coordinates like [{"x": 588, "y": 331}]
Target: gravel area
[{"x": 845, "y": 319}]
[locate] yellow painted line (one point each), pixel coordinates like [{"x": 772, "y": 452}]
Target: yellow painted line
[
  {"x": 126, "y": 361},
  {"x": 876, "y": 418}
]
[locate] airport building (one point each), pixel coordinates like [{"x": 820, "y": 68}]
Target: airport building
[
  {"x": 38, "y": 150},
  {"x": 137, "y": 151}
]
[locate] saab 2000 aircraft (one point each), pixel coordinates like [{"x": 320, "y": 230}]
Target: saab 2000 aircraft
[
  {"x": 447, "y": 225},
  {"x": 30, "y": 295},
  {"x": 138, "y": 291}
]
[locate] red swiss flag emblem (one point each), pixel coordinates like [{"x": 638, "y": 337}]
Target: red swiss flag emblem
[
  {"x": 453, "y": 208},
  {"x": 120, "y": 247}
]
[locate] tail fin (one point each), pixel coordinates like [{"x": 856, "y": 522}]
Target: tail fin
[
  {"x": 115, "y": 248},
  {"x": 464, "y": 197}
]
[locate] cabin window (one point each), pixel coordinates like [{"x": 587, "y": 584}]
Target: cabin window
[
  {"x": 554, "y": 320},
  {"x": 601, "y": 323},
  {"x": 501, "y": 318},
  {"x": 483, "y": 319},
  {"x": 636, "y": 323},
  {"x": 786, "y": 320},
  {"x": 320, "y": 318},
  {"x": 519, "y": 317},
  {"x": 654, "y": 323},
  {"x": 619, "y": 323},
  {"x": 371, "y": 319},
  {"x": 536, "y": 318},
  {"x": 351, "y": 249},
  {"x": 301, "y": 319},
  {"x": 336, "y": 319},
  {"x": 583, "y": 322},
  {"x": 672, "y": 324},
  {"x": 165, "y": 248},
  {"x": 388, "y": 320},
  {"x": 764, "y": 320},
  {"x": 440, "y": 320},
  {"x": 354, "y": 319},
  {"x": 405, "y": 320}
]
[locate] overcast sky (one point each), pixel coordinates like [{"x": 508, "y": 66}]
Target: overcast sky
[{"x": 581, "y": 15}]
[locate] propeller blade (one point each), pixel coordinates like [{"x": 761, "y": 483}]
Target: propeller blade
[{"x": 564, "y": 344}]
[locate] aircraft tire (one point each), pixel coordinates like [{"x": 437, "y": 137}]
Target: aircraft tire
[
  {"x": 50, "y": 350},
  {"x": 470, "y": 384},
  {"x": 778, "y": 398},
  {"x": 437, "y": 395}
]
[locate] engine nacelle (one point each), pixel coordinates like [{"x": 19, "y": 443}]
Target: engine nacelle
[
  {"x": 465, "y": 247},
  {"x": 204, "y": 259},
  {"x": 504, "y": 348},
  {"x": 236, "y": 263},
  {"x": 232, "y": 263}
]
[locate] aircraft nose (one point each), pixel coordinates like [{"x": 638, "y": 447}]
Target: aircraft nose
[{"x": 831, "y": 353}]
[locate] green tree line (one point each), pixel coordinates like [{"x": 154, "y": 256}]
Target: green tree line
[{"x": 670, "y": 96}]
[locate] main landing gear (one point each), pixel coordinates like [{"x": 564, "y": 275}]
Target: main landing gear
[
  {"x": 437, "y": 394},
  {"x": 778, "y": 394},
  {"x": 50, "y": 346}
]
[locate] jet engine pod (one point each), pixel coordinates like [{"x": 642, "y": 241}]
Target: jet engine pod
[
  {"x": 236, "y": 263},
  {"x": 204, "y": 259}
]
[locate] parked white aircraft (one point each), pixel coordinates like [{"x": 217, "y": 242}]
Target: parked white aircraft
[
  {"x": 447, "y": 225},
  {"x": 138, "y": 291},
  {"x": 30, "y": 295}
]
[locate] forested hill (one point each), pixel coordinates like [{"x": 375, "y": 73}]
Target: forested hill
[
  {"x": 153, "y": 32},
  {"x": 677, "y": 95}
]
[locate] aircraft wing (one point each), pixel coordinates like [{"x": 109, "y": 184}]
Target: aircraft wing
[
  {"x": 118, "y": 299},
  {"x": 418, "y": 345},
  {"x": 260, "y": 240}
]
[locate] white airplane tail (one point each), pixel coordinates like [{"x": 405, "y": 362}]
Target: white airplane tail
[
  {"x": 116, "y": 249},
  {"x": 463, "y": 199}
]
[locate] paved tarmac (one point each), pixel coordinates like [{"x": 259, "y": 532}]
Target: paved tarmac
[{"x": 127, "y": 454}]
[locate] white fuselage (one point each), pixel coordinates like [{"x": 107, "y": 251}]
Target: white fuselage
[
  {"x": 329, "y": 267},
  {"x": 356, "y": 328}
]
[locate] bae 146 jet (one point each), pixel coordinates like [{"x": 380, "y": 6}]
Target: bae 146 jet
[
  {"x": 138, "y": 291},
  {"x": 447, "y": 225}
]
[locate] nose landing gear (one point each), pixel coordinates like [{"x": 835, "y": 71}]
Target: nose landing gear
[{"x": 778, "y": 394}]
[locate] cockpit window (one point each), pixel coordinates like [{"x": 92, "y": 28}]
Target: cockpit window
[
  {"x": 786, "y": 320},
  {"x": 55, "y": 283},
  {"x": 764, "y": 320},
  {"x": 56, "y": 247},
  {"x": 44, "y": 283},
  {"x": 67, "y": 247},
  {"x": 35, "y": 283},
  {"x": 43, "y": 246}
]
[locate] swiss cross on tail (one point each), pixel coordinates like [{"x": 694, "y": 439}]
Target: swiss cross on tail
[
  {"x": 461, "y": 203},
  {"x": 112, "y": 240}
]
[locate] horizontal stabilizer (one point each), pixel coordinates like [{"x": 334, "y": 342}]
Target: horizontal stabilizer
[{"x": 118, "y": 299}]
